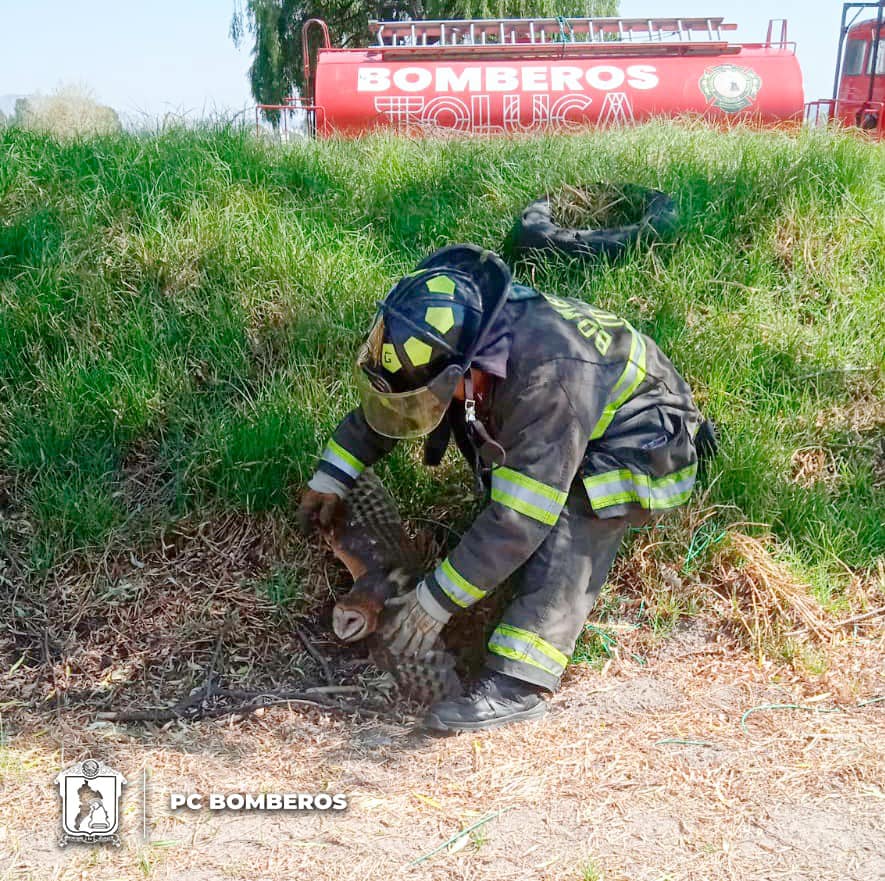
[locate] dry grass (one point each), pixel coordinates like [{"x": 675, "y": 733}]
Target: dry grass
[
  {"x": 242, "y": 604},
  {"x": 765, "y": 599},
  {"x": 651, "y": 765},
  {"x": 810, "y": 466},
  {"x": 595, "y": 206},
  {"x": 653, "y": 769},
  {"x": 865, "y": 415},
  {"x": 738, "y": 579},
  {"x": 799, "y": 242},
  {"x": 213, "y": 596}
]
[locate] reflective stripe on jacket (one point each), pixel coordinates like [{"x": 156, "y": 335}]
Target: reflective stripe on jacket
[{"x": 587, "y": 397}]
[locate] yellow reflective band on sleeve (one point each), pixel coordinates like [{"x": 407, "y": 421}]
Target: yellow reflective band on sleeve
[
  {"x": 343, "y": 460},
  {"x": 527, "y": 496},
  {"x": 529, "y": 648},
  {"x": 455, "y": 586},
  {"x": 654, "y": 494},
  {"x": 628, "y": 382}
]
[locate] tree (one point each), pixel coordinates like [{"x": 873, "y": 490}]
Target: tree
[
  {"x": 69, "y": 111},
  {"x": 275, "y": 28}
]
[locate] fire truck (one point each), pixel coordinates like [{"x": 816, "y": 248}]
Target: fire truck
[
  {"x": 859, "y": 84},
  {"x": 518, "y": 75}
]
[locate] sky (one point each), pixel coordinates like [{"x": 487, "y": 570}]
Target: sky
[
  {"x": 148, "y": 56},
  {"x": 157, "y": 56}
]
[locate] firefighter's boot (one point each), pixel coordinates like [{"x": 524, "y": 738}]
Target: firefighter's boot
[{"x": 493, "y": 700}]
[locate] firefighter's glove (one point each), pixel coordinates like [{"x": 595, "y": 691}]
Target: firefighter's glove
[
  {"x": 324, "y": 509},
  {"x": 413, "y": 622}
]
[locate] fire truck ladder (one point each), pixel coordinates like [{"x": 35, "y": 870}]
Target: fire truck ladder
[{"x": 546, "y": 36}]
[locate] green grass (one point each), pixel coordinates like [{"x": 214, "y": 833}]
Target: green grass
[
  {"x": 595, "y": 646},
  {"x": 590, "y": 871},
  {"x": 282, "y": 586},
  {"x": 200, "y": 294}
]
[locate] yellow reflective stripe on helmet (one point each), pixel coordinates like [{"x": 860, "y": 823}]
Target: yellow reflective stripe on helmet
[
  {"x": 527, "y": 496},
  {"x": 418, "y": 351},
  {"x": 654, "y": 494},
  {"x": 628, "y": 382},
  {"x": 455, "y": 586},
  {"x": 441, "y": 284},
  {"x": 523, "y": 645},
  {"x": 389, "y": 359},
  {"x": 343, "y": 460},
  {"x": 441, "y": 318}
]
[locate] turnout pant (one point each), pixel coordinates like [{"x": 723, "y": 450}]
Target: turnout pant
[{"x": 556, "y": 590}]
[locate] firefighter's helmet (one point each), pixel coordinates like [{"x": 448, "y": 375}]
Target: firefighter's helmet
[
  {"x": 428, "y": 322},
  {"x": 426, "y": 332}
]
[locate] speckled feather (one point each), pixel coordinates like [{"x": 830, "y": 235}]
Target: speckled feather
[{"x": 384, "y": 562}]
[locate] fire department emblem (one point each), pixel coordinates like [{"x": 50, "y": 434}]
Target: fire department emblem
[
  {"x": 90, "y": 803},
  {"x": 729, "y": 87}
]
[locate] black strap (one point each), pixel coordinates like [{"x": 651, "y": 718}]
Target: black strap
[{"x": 478, "y": 436}]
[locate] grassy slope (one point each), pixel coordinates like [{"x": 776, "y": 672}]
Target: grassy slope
[{"x": 178, "y": 313}]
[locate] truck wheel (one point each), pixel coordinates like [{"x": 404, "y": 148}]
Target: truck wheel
[{"x": 537, "y": 230}]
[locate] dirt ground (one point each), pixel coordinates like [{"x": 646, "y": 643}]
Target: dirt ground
[{"x": 648, "y": 769}]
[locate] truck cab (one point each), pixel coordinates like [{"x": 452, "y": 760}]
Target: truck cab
[
  {"x": 859, "y": 85},
  {"x": 862, "y": 80}
]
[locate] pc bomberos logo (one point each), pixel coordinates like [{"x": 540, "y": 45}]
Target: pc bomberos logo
[
  {"x": 730, "y": 87},
  {"x": 90, "y": 803}
]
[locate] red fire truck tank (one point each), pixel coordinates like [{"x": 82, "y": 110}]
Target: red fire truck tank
[{"x": 500, "y": 75}]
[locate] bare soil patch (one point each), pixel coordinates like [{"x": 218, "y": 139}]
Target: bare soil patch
[
  {"x": 647, "y": 770},
  {"x": 682, "y": 757}
]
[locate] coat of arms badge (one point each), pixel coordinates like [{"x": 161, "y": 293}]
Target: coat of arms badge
[
  {"x": 730, "y": 87},
  {"x": 90, "y": 798}
]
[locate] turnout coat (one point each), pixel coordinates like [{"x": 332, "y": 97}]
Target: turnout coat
[{"x": 586, "y": 398}]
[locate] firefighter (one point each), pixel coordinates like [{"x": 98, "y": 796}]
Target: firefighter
[{"x": 577, "y": 424}]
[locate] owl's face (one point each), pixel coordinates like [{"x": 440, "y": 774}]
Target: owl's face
[
  {"x": 353, "y": 622},
  {"x": 358, "y": 614}
]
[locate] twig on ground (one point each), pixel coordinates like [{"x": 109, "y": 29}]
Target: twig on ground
[
  {"x": 312, "y": 650},
  {"x": 762, "y": 707},
  {"x": 266, "y": 701},
  {"x": 158, "y": 715},
  {"x": 481, "y": 822},
  {"x": 212, "y": 671},
  {"x": 244, "y": 703},
  {"x": 856, "y": 619},
  {"x": 333, "y": 689}
]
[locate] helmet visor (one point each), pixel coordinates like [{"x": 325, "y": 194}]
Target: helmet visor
[{"x": 401, "y": 415}]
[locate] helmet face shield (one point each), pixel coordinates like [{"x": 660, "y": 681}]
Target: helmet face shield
[
  {"x": 426, "y": 333},
  {"x": 402, "y": 415}
]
